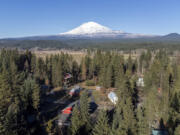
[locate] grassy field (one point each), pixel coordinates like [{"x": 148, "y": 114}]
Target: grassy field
[{"x": 77, "y": 55}]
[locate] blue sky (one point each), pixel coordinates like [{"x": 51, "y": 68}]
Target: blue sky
[{"x": 46, "y": 17}]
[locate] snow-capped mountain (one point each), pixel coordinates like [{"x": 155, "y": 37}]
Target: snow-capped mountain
[
  {"x": 93, "y": 29},
  {"x": 88, "y": 28}
]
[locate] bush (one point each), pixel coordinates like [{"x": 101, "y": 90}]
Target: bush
[{"x": 90, "y": 83}]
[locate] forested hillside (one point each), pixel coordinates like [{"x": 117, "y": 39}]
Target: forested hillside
[
  {"x": 103, "y": 44},
  {"x": 139, "y": 110}
]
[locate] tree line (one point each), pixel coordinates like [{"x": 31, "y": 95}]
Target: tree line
[{"x": 93, "y": 44}]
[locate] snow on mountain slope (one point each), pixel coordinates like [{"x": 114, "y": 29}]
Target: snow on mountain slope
[
  {"x": 95, "y": 30},
  {"x": 88, "y": 28}
]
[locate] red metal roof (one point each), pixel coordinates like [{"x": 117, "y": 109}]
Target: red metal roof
[{"x": 67, "y": 110}]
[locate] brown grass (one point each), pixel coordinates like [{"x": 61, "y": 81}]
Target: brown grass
[{"x": 77, "y": 55}]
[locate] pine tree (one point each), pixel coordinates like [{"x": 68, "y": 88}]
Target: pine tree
[
  {"x": 33, "y": 64},
  {"x": 30, "y": 93},
  {"x": 142, "y": 123},
  {"x": 75, "y": 71},
  {"x": 57, "y": 71},
  {"x": 117, "y": 123},
  {"x": 2, "y": 118},
  {"x": 102, "y": 76},
  {"x": 50, "y": 129},
  {"x": 124, "y": 121},
  {"x": 129, "y": 66},
  {"x": 76, "y": 122},
  {"x": 83, "y": 70},
  {"x": 36, "y": 95},
  {"x": 177, "y": 130},
  {"x": 6, "y": 97},
  {"x": 12, "y": 119},
  {"x": 80, "y": 121},
  {"x": 118, "y": 71},
  {"x": 129, "y": 121},
  {"x": 40, "y": 70},
  {"x": 101, "y": 126},
  {"x": 109, "y": 77},
  {"x": 84, "y": 111},
  {"x": 88, "y": 62},
  {"x": 48, "y": 80}
]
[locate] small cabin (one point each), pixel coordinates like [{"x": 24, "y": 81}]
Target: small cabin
[
  {"x": 113, "y": 97},
  {"x": 140, "y": 82}
]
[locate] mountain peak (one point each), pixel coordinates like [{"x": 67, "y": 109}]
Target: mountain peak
[
  {"x": 95, "y": 30},
  {"x": 88, "y": 28},
  {"x": 91, "y": 23},
  {"x": 173, "y": 34}
]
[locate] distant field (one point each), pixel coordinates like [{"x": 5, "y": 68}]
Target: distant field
[{"x": 77, "y": 55}]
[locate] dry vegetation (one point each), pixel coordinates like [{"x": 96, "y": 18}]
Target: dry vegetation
[{"x": 77, "y": 55}]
